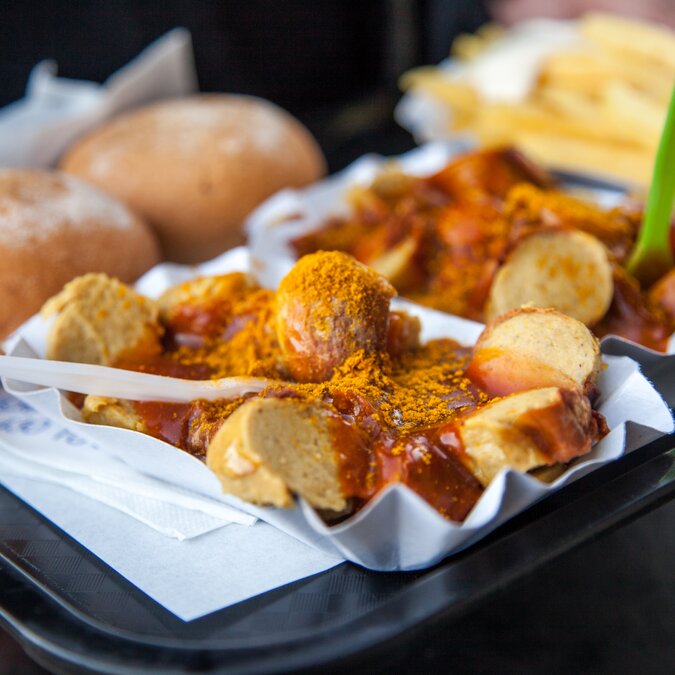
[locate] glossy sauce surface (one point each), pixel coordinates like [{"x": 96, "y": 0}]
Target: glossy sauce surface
[
  {"x": 166, "y": 364},
  {"x": 188, "y": 426},
  {"x": 430, "y": 461},
  {"x": 370, "y": 453},
  {"x": 166, "y": 421},
  {"x": 393, "y": 414},
  {"x": 630, "y": 317},
  {"x": 458, "y": 225}
]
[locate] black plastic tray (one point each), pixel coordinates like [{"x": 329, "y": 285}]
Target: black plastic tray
[
  {"x": 78, "y": 614},
  {"x": 73, "y": 613}
]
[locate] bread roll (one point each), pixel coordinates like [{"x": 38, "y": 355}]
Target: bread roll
[
  {"x": 54, "y": 227},
  {"x": 195, "y": 167}
]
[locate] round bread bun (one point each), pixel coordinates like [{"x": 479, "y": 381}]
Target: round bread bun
[
  {"x": 195, "y": 167},
  {"x": 54, "y": 227}
]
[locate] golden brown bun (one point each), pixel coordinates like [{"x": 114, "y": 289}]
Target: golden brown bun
[
  {"x": 54, "y": 227},
  {"x": 196, "y": 167}
]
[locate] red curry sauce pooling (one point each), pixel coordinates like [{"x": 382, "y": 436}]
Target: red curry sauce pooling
[
  {"x": 164, "y": 364},
  {"x": 429, "y": 461},
  {"x": 188, "y": 426},
  {"x": 374, "y": 449},
  {"x": 629, "y": 316},
  {"x": 458, "y": 225},
  {"x": 371, "y": 455},
  {"x": 168, "y": 422}
]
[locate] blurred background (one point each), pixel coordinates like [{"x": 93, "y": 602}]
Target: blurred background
[{"x": 334, "y": 63}]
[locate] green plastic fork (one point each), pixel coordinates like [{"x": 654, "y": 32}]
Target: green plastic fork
[{"x": 652, "y": 256}]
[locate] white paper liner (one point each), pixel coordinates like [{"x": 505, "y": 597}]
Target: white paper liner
[
  {"x": 397, "y": 530},
  {"x": 35, "y": 130}
]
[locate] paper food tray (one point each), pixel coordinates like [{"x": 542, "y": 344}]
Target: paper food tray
[{"x": 397, "y": 530}]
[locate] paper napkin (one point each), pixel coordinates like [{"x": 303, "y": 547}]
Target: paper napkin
[{"x": 35, "y": 130}]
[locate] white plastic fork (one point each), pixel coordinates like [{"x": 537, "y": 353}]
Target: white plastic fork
[{"x": 126, "y": 384}]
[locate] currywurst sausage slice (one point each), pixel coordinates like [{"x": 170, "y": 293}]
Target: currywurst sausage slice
[
  {"x": 204, "y": 292},
  {"x": 112, "y": 412},
  {"x": 529, "y": 348},
  {"x": 328, "y": 307},
  {"x": 100, "y": 319},
  {"x": 270, "y": 448},
  {"x": 527, "y": 430},
  {"x": 567, "y": 270}
]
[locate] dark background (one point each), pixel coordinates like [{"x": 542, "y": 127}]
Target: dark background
[
  {"x": 332, "y": 63},
  {"x": 609, "y": 607}
]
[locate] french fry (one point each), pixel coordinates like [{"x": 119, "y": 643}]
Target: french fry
[
  {"x": 640, "y": 39},
  {"x": 447, "y": 90},
  {"x": 468, "y": 45},
  {"x": 599, "y": 104},
  {"x": 625, "y": 105},
  {"x": 654, "y": 79},
  {"x": 626, "y": 162},
  {"x": 581, "y": 72},
  {"x": 461, "y": 98},
  {"x": 502, "y": 123},
  {"x": 574, "y": 105}
]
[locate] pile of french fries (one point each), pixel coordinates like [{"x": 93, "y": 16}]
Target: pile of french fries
[{"x": 596, "y": 108}]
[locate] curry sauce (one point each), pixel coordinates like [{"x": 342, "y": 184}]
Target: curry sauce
[
  {"x": 441, "y": 239},
  {"x": 393, "y": 411}
]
